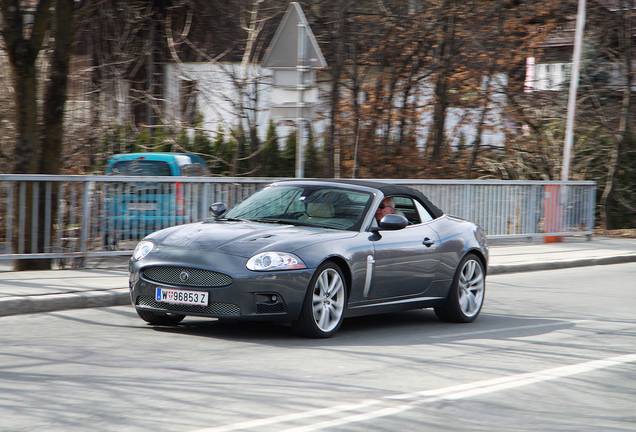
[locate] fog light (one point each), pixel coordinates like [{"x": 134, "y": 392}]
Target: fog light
[{"x": 269, "y": 303}]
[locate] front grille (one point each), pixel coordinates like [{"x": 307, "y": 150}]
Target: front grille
[
  {"x": 212, "y": 308},
  {"x": 196, "y": 277}
]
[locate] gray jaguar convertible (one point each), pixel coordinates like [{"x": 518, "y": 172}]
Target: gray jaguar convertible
[{"x": 310, "y": 253}]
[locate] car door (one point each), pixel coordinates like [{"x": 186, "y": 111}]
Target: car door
[{"x": 406, "y": 260}]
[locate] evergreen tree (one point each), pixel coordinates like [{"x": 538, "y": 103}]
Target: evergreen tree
[
  {"x": 239, "y": 163},
  {"x": 221, "y": 153},
  {"x": 251, "y": 152},
  {"x": 162, "y": 140},
  {"x": 288, "y": 161},
  {"x": 202, "y": 143},
  {"x": 271, "y": 157},
  {"x": 183, "y": 141},
  {"x": 313, "y": 159},
  {"x": 143, "y": 142}
]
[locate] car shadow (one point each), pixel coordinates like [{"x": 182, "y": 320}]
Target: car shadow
[{"x": 400, "y": 328}]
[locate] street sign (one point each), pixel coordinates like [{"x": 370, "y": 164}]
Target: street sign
[
  {"x": 284, "y": 49},
  {"x": 293, "y": 56}
]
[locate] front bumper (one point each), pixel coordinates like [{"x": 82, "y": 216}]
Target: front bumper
[{"x": 249, "y": 295}]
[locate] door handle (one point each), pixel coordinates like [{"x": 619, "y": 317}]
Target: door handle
[{"x": 428, "y": 242}]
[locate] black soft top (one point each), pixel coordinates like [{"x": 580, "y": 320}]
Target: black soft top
[{"x": 387, "y": 189}]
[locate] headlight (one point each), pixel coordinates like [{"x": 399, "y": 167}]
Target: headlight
[
  {"x": 143, "y": 248},
  {"x": 268, "y": 261}
]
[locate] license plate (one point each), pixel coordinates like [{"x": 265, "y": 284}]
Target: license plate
[
  {"x": 141, "y": 206},
  {"x": 165, "y": 295}
]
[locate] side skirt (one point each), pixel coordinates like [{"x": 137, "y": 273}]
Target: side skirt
[{"x": 393, "y": 306}]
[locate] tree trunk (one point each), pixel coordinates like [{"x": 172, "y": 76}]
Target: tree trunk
[
  {"x": 439, "y": 117},
  {"x": 56, "y": 91},
  {"x": 336, "y": 65},
  {"x": 615, "y": 159},
  {"x": 441, "y": 88},
  {"x": 23, "y": 48}
]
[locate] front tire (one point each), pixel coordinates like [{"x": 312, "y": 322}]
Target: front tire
[
  {"x": 155, "y": 318},
  {"x": 466, "y": 295},
  {"x": 324, "y": 305}
]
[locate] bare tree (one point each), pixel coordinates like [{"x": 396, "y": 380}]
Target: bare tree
[
  {"x": 247, "y": 80},
  {"x": 38, "y": 142}
]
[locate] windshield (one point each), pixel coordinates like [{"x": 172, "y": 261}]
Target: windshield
[
  {"x": 141, "y": 168},
  {"x": 305, "y": 205}
]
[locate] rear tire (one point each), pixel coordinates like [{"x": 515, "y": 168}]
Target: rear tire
[
  {"x": 156, "y": 318},
  {"x": 466, "y": 295},
  {"x": 324, "y": 305}
]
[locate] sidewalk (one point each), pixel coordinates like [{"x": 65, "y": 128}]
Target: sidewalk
[
  {"x": 105, "y": 282},
  {"x": 519, "y": 256}
]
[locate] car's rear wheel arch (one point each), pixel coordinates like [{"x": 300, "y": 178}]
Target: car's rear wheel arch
[
  {"x": 466, "y": 295},
  {"x": 481, "y": 257}
]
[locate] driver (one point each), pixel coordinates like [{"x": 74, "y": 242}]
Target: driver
[{"x": 386, "y": 207}]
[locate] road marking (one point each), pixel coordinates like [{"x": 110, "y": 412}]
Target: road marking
[
  {"x": 556, "y": 323},
  {"x": 291, "y": 417},
  {"x": 506, "y": 329},
  {"x": 504, "y": 383},
  {"x": 385, "y": 412},
  {"x": 456, "y": 392}
]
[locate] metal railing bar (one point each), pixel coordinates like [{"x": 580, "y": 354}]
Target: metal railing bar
[
  {"x": 60, "y": 216},
  {"x": 47, "y": 216},
  {"x": 21, "y": 216},
  {"x": 10, "y": 217},
  {"x": 96, "y": 254}
]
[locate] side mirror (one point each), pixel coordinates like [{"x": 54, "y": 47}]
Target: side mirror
[
  {"x": 217, "y": 209},
  {"x": 393, "y": 222}
]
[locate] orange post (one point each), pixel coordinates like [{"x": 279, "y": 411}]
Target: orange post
[{"x": 552, "y": 210}]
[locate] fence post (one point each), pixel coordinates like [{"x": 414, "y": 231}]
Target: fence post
[
  {"x": 535, "y": 218},
  {"x": 590, "y": 211},
  {"x": 206, "y": 201},
  {"x": 10, "y": 219},
  {"x": 86, "y": 217}
]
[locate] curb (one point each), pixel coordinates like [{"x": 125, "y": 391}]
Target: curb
[
  {"x": 64, "y": 301},
  {"x": 553, "y": 265},
  {"x": 121, "y": 296}
]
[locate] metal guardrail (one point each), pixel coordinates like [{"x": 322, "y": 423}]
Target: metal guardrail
[
  {"x": 508, "y": 209},
  {"x": 78, "y": 217}
]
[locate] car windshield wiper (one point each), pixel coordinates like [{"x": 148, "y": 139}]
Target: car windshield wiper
[
  {"x": 233, "y": 220},
  {"x": 285, "y": 222}
]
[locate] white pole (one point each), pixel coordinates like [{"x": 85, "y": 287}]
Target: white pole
[
  {"x": 574, "y": 84},
  {"x": 300, "y": 87}
]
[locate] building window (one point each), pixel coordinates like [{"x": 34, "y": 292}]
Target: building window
[{"x": 552, "y": 76}]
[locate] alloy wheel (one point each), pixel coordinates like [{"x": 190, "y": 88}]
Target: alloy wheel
[
  {"x": 471, "y": 288},
  {"x": 328, "y": 300}
]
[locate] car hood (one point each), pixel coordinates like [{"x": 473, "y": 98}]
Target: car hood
[{"x": 244, "y": 238}]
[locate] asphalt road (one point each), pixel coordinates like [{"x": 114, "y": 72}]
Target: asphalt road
[{"x": 552, "y": 351}]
